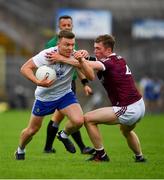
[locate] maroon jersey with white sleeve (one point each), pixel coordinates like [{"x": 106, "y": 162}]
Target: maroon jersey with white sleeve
[{"x": 118, "y": 81}]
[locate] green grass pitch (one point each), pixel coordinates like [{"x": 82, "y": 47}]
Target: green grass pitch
[{"x": 63, "y": 165}]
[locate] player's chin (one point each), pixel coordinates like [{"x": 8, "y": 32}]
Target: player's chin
[{"x": 98, "y": 56}]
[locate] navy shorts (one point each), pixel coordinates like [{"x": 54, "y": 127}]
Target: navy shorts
[{"x": 41, "y": 108}]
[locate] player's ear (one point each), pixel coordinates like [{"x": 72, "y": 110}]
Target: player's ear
[{"x": 109, "y": 49}]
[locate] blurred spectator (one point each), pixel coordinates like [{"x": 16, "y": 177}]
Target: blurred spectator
[
  {"x": 18, "y": 97},
  {"x": 151, "y": 88},
  {"x": 20, "y": 93}
]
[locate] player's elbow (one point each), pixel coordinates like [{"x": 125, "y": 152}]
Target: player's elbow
[{"x": 22, "y": 69}]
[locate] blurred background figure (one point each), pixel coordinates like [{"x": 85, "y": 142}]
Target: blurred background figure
[
  {"x": 151, "y": 88},
  {"x": 20, "y": 94}
]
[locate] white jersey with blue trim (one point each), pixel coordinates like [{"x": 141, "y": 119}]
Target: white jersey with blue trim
[{"x": 62, "y": 84}]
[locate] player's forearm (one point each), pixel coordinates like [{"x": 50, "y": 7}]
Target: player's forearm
[
  {"x": 70, "y": 61},
  {"x": 81, "y": 75},
  {"x": 27, "y": 70},
  {"x": 87, "y": 69}
]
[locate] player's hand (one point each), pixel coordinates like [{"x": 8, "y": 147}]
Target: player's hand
[
  {"x": 88, "y": 90},
  {"x": 53, "y": 57},
  {"x": 84, "y": 53},
  {"x": 45, "y": 82},
  {"x": 81, "y": 54}
]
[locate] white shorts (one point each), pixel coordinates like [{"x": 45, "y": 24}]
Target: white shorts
[{"x": 129, "y": 115}]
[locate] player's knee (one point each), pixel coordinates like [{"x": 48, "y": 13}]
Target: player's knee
[{"x": 79, "y": 122}]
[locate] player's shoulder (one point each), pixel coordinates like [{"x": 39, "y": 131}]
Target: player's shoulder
[
  {"x": 113, "y": 60},
  {"x": 115, "y": 56},
  {"x": 117, "y": 59}
]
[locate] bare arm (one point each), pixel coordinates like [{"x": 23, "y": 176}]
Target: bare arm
[
  {"x": 86, "y": 69},
  {"x": 81, "y": 75},
  {"x": 97, "y": 65},
  {"x": 28, "y": 71},
  {"x": 87, "y": 89},
  {"x": 55, "y": 57},
  {"x": 81, "y": 64}
]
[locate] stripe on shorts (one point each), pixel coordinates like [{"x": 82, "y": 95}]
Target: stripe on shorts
[{"x": 121, "y": 111}]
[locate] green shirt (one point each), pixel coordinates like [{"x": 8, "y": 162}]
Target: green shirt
[{"x": 53, "y": 42}]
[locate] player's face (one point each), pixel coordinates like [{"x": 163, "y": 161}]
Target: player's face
[
  {"x": 65, "y": 24},
  {"x": 66, "y": 46},
  {"x": 100, "y": 51}
]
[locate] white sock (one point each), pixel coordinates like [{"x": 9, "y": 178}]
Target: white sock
[
  {"x": 64, "y": 135},
  {"x": 99, "y": 149},
  {"x": 138, "y": 155},
  {"x": 20, "y": 151}
]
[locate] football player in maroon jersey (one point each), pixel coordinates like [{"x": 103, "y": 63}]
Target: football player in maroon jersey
[{"x": 127, "y": 104}]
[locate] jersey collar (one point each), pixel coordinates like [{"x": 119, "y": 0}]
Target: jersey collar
[{"x": 108, "y": 58}]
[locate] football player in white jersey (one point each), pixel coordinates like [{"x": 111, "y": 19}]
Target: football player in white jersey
[{"x": 50, "y": 95}]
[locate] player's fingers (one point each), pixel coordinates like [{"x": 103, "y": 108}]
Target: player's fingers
[{"x": 50, "y": 82}]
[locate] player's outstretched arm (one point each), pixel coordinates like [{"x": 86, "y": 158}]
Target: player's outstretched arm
[
  {"x": 81, "y": 63},
  {"x": 55, "y": 57}
]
